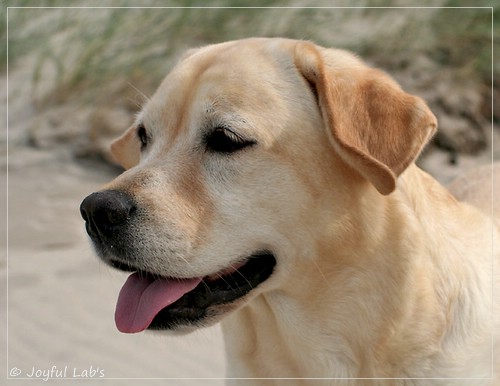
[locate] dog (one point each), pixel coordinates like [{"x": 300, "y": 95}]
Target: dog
[{"x": 270, "y": 185}]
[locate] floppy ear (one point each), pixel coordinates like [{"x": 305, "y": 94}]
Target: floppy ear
[
  {"x": 126, "y": 150},
  {"x": 374, "y": 126}
]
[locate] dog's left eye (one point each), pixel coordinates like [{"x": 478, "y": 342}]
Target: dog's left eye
[
  {"x": 223, "y": 140},
  {"x": 143, "y": 136}
]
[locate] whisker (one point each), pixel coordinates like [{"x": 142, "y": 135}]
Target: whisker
[
  {"x": 143, "y": 95},
  {"x": 225, "y": 281},
  {"x": 243, "y": 276},
  {"x": 221, "y": 277},
  {"x": 321, "y": 273}
]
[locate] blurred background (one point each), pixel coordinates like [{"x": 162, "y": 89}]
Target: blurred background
[{"x": 78, "y": 72}]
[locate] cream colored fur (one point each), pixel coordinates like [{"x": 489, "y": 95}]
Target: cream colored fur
[{"x": 381, "y": 272}]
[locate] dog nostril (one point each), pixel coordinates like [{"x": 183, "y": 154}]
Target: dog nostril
[
  {"x": 114, "y": 214},
  {"x": 107, "y": 209}
]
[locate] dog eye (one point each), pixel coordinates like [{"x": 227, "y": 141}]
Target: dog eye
[
  {"x": 222, "y": 140},
  {"x": 143, "y": 136}
]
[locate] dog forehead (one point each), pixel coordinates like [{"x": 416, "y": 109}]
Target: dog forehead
[{"x": 249, "y": 75}]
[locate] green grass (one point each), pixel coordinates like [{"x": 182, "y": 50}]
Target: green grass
[
  {"x": 85, "y": 49},
  {"x": 464, "y": 38}
]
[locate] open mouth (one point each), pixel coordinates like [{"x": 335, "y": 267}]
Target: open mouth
[{"x": 147, "y": 301}]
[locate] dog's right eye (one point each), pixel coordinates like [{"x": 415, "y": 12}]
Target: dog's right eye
[{"x": 143, "y": 136}]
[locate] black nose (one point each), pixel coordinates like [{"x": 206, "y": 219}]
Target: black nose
[{"x": 106, "y": 212}]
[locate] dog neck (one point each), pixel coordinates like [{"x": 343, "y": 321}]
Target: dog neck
[{"x": 374, "y": 306}]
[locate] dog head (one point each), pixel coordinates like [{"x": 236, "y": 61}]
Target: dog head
[{"x": 248, "y": 154}]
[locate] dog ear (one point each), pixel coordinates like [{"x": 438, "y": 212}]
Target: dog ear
[
  {"x": 126, "y": 150},
  {"x": 375, "y": 127}
]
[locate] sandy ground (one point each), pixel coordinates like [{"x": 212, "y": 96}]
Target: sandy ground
[{"x": 61, "y": 299}]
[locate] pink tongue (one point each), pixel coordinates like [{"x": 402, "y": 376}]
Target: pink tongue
[{"x": 141, "y": 299}]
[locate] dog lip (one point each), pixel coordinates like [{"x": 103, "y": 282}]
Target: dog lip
[
  {"x": 122, "y": 266},
  {"x": 126, "y": 267},
  {"x": 212, "y": 277},
  {"x": 227, "y": 271}
]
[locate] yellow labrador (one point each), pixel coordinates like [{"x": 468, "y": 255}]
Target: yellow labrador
[{"x": 271, "y": 186}]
